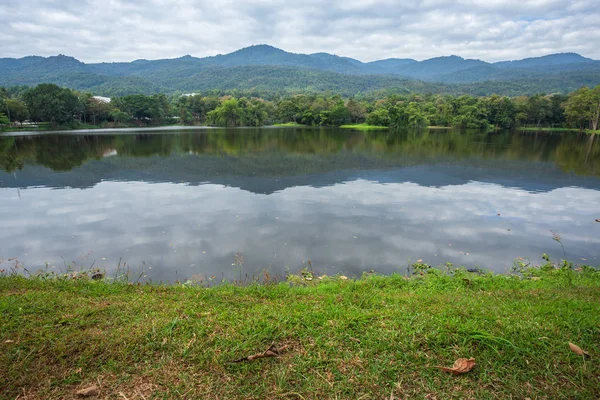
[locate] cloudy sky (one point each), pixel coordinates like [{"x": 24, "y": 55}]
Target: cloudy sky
[{"x": 120, "y": 30}]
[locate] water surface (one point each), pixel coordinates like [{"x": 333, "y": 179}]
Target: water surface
[{"x": 182, "y": 204}]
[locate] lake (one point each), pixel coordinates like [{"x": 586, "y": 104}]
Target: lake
[{"x": 215, "y": 202}]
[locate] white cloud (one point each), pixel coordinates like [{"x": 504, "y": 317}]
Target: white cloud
[{"x": 120, "y": 30}]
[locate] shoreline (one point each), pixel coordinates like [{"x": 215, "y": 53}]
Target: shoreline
[
  {"x": 373, "y": 337},
  {"x": 359, "y": 127}
]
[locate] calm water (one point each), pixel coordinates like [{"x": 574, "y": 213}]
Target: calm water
[{"x": 182, "y": 204}]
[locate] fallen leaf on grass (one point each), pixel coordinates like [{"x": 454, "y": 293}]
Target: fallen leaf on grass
[
  {"x": 272, "y": 351},
  {"x": 577, "y": 350},
  {"x": 89, "y": 391},
  {"x": 461, "y": 366},
  {"x": 9, "y": 341}
]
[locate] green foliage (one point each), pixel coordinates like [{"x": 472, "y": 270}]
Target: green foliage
[
  {"x": 142, "y": 107},
  {"x": 4, "y": 119},
  {"x": 228, "y": 113},
  {"x": 17, "y": 110},
  {"x": 50, "y": 103},
  {"x": 582, "y": 109},
  {"x": 379, "y": 117}
]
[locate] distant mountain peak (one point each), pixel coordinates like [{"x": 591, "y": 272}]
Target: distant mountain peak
[
  {"x": 63, "y": 59},
  {"x": 258, "y": 48},
  {"x": 265, "y": 66},
  {"x": 549, "y": 59}
]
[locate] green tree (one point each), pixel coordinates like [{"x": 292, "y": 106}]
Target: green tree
[
  {"x": 288, "y": 111},
  {"x": 256, "y": 113},
  {"x": 228, "y": 113},
  {"x": 539, "y": 110},
  {"x": 144, "y": 108},
  {"x": 583, "y": 108},
  {"x": 415, "y": 116},
  {"x": 356, "y": 111},
  {"x": 119, "y": 116},
  {"x": 501, "y": 111},
  {"x": 338, "y": 115},
  {"x": 50, "y": 103},
  {"x": 379, "y": 117},
  {"x": 4, "y": 119},
  {"x": 17, "y": 110}
]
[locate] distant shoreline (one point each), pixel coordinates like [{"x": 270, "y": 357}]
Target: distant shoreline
[
  {"x": 95, "y": 131},
  {"x": 162, "y": 128}
]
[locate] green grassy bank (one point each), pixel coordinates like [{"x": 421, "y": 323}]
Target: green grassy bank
[
  {"x": 373, "y": 338},
  {"x": 289, "y": 124},
  {"x": 548, "y": 129},
  {"x": 364, "y": 127}
]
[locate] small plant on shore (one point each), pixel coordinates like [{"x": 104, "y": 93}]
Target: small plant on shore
[
  {"x": 238, "y": 262},
  {"x": 556, "y": 237},
  {"x": 421, "y": 268}
]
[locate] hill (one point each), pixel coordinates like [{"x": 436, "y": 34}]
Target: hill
[{"x": 265, "y": 67}]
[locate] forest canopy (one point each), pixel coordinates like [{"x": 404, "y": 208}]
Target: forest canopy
[{"x": 58, "y": 106}]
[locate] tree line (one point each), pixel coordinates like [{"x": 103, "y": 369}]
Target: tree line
[{"x": 58, "y": 106}]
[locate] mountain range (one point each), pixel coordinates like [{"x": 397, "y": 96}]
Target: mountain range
[{"x": 266, "y": 68}]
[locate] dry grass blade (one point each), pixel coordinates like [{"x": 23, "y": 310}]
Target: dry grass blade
[
  {"x": 461, "y": 366},
  {"x": 272, "y": 351},
  {"x": 88, "y": 391},
  {"x": 578, "y": 350}
]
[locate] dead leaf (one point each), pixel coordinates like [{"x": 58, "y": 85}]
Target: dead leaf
[
  {"x": 89, "y": 391},
  {"x": 577, "y": 350},
  {"x": 461, "y": 366},
  {"x": 9, "y": 341},
  {"x": 272, "y": 351}
]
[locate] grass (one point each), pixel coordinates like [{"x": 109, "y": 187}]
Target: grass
[
  {"x": 591, "y": 132},
  {"x": 439, "y": 127},
  {"x": 372, "y": 338},
  {"x": 289, "y": 124},
  {"x": 547, "y": 129},
  {"x": 364, "y": 127}
]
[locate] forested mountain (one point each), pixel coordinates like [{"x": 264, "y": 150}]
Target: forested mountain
[{"x": 264, "y": 67}]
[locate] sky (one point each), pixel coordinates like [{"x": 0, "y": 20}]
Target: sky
[{"x": 120, "y": 30}]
